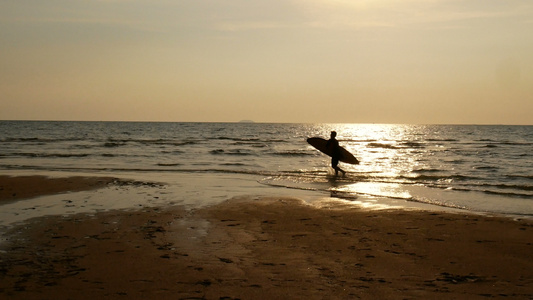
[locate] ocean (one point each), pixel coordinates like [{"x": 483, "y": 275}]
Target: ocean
[{"x": 486, "y": 169}]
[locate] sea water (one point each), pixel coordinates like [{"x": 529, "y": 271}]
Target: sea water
[{"x": 468, "y": 167}]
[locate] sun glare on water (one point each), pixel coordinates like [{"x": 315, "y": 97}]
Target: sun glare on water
[{"x": 384, "y": 151}]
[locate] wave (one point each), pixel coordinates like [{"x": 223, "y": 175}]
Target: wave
[
  {"x": 9, "y": 140},
  {"x": 409, "y": 144},
  {"x": 401, "y": 145},
  {"x": 491, "y": 146},
  {"x": 251, "y": 144},
  {"x": 430, "y": 195},
  {"x": 235, "y": 164},
  {"x": 113, "y": 142},
  {"x": 508, "y": 194},
  {"x": 509, "y": 143},
  {"x": 251, "y": 141},
  {"x": 49, "y": 155},
  {"x": 441, "y": 140},
  {"x": 168, "y": 164},
  {"x": 486, "y": 168},
  {"x": 168, "y": 142},
  {"x": 423, "y": 170},
  {"x": 335, "y": 189},
  {"x": 519, "y": 176},
  {"x": 381, "y": 145},
  {"x": 108, "y": 143},
  {"x": 293, "y": 153},
  {"x": 487, "y": 190},
  {"x": 70, "y": 155},
  {"x": 238, "y": 139},
  {"x": 177, "y": 151},
  {"x": 517, "y": 143},
  {"x": 236, "y": 152},
  {"x": 39, "y": 140},
  {"x": 524, "y": 187},
  {"x": 459, "y": 183},
  {"x": 357, "y": 140},
  {"x": 83, "y": 146},
  {"x": 422, "y": 177}
]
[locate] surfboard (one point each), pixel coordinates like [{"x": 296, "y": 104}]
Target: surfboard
[{"x": 321, "y": 144}]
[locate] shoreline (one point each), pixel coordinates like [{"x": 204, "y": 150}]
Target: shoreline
[{"x": 264, "y": 248}]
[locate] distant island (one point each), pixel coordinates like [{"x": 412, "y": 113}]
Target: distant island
[{"x": 246, "y": 121}]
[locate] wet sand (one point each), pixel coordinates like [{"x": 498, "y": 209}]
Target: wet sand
[
  {"x": 268, "y": 248},
  {"x": 23, "y": 187}
]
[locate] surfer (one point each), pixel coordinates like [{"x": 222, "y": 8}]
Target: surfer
[{"x": 336, "y": 153}]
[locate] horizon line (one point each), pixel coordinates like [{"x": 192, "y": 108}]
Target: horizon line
[{"x": 261, "y": 122}]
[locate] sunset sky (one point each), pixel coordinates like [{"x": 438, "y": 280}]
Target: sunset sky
[{"x": 342, "y": 61}]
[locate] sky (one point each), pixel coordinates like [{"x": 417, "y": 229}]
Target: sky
[{"x": 311, "y": 61}]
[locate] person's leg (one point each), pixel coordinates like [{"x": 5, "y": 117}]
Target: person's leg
[
  {"x": 342, "y": 171},
  {"x": 335, "y": 166},
  {"x": 337, "y": 169}
]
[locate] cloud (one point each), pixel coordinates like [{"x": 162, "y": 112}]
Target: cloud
[{"x": 347, "y": 14}]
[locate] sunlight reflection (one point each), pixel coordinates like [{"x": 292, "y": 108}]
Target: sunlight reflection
[
  {"x": 376, "y": 189},
  {"x": 384, "y": 149}
]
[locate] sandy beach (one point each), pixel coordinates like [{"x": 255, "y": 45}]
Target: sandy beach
[{"x": 261, "y": 248}]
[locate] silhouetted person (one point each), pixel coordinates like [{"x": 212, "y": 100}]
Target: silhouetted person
[{"x": 336, "y": 153}]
